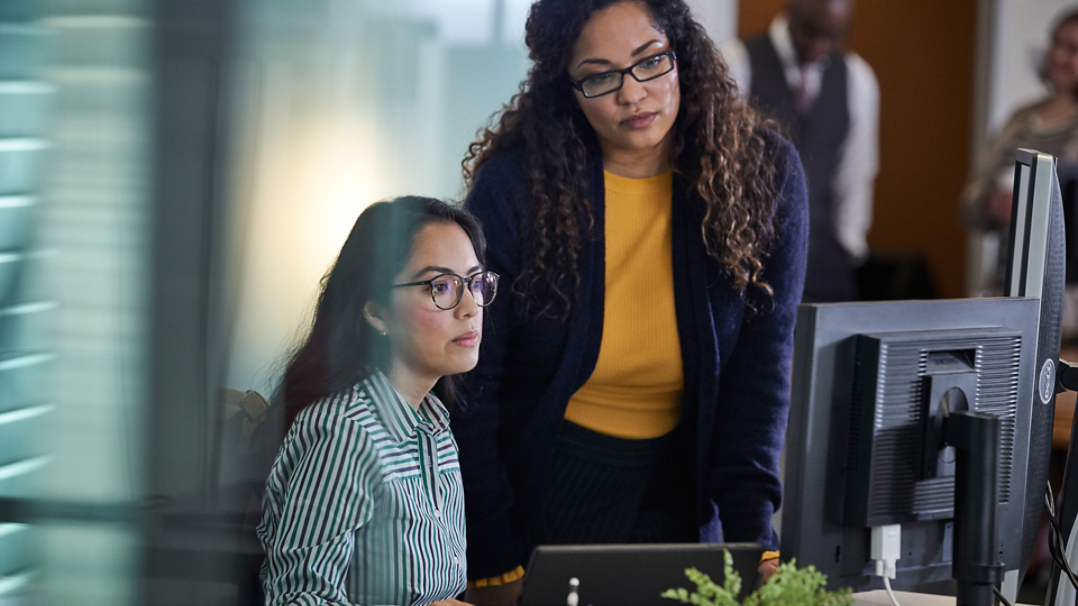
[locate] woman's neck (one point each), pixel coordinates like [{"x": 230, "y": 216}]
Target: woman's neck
[
  {"x": 637, "y": 163},
  {"x": 1059, "y": 107},
  {"x": 409, "y": 385}
]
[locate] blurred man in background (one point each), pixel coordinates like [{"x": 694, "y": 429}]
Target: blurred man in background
[{"x": 827, "y": 103}]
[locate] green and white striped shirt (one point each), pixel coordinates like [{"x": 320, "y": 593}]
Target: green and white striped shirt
[{"x": 364, "y": 504}]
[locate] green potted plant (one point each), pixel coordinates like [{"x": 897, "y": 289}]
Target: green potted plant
[{"x": 787, "y": 587}]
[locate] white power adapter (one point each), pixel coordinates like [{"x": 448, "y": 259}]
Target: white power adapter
[{"x": 886, "y": 548}]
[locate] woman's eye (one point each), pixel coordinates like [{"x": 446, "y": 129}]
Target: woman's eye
[
  {"x": 599, "y": 79},
  {"x": 439, "y": 287},
  {"x": 651, "y": 64}
]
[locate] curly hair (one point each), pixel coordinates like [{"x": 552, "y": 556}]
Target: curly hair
[{"x": 718, "y": 151}]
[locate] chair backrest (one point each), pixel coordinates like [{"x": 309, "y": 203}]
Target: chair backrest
[
  {"x": 246, "y": 451},
  {"x": 253, "y": 406}
]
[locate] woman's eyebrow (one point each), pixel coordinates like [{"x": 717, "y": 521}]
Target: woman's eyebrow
[
  {"x": 645, "y": 46},
  {"x": 445, "y": 270},
  {"x": 636, "y": 52},
  {"x": 435, "y": 268},
  {"x": 595, "y": 61}
]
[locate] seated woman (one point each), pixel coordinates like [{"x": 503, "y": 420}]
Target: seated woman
[{"x": 364, "y": 503}]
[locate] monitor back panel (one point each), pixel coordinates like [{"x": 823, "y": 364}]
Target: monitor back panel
[{"x": 814, "y": 529}]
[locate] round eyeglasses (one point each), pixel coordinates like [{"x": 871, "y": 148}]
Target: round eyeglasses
[
  {"x": 641, "y": 71},
  {"x": 446, "y": 290}
]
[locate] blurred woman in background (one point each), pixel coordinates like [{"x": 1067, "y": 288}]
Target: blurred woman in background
[
  {"x": 364, "y": 503},
  {"x": 634, "y": 385},
  {"x": 1049, "y": 125}
]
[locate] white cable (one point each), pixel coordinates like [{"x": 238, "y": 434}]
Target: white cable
[{"x": 890, "y": 594}]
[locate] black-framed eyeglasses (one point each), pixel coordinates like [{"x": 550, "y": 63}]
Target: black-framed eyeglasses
[
  {"x": 607, "y": 82},
  {"x": 446, "y": 290}
]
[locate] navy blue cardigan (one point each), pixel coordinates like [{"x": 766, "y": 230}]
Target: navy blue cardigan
[{"x": 736, "y": 367}]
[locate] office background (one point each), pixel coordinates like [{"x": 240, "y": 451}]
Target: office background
[{"x": 175, "y": 176}]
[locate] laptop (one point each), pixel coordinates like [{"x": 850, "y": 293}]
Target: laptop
[{"x": 630, "y": 575}]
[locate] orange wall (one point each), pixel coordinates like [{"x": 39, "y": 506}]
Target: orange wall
[{"x": 923, "y": 54}]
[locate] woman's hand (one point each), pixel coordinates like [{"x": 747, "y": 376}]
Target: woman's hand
[
  {"x": 768, "y": 568},
  {"x": 450, "y": 602},
  {"x": 495, "y": 595}
]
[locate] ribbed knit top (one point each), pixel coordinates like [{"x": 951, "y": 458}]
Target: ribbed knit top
[{"x": 635, "y": 390}]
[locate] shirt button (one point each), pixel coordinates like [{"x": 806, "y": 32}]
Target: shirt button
[
  {"x": 437, "y": 513},
  {"x": 455, "y": 560}
]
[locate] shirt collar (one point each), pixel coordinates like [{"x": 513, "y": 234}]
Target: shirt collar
[
  {"x": 399, "y": 418},
  {"x": 779, "y": 32},
  {"x": 808, "y": 75}
]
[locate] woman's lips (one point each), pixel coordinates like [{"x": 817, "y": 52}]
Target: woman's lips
[
  {"x": 468, "y": 339},
  {"x": 641, "y": 120}
]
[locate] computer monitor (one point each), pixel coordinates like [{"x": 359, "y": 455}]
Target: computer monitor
[{"x": 873, "y": 384}]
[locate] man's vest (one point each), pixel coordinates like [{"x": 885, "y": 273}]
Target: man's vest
[{"x": 818, "y": 137}]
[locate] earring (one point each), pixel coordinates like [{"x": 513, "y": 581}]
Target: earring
[{"x": 384, "y": 333}]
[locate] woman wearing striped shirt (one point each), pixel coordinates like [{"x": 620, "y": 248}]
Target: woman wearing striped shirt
[{"x": 364, "y": 503}]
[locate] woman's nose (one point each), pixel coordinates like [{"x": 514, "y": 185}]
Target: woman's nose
[
  {"x": 467, "y": 307},
  {"x": 631, "y": 91}
]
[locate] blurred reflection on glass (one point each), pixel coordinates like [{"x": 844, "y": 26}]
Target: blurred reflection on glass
[
  {"x": 24, "y": 352},
  {"x": 323, "y": 106},
  {"x": 73, "y": 132}
]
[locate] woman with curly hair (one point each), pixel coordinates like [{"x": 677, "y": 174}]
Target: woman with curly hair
[{"x": 633, "y": 386}]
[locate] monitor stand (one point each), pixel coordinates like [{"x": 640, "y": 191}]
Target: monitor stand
[{"x": 976, "y": 567}]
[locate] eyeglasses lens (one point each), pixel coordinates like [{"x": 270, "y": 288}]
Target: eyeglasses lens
[
  {"x": 608, "y": 82},
  {"x": 653, "y": 67},
  {"x": 602, "y": 84},
  {"x": 446, "y": 291},
  {"x": 484, "y": 286}
]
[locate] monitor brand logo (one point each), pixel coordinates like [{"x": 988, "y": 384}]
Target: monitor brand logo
[{"x": 1046, "y": 382}]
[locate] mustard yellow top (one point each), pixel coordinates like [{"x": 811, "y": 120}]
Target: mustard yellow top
[
  {"x": 635, "y": 390},
  {"x": 503, "y": 579}
]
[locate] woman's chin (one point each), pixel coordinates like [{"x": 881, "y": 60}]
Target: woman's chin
[{"x": 463, "y": 362}]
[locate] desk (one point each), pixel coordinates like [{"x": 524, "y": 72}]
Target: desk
[{"x": 878, "y": 597}]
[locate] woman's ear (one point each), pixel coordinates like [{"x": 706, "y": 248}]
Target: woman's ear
[{"x": 374, "y": 317}]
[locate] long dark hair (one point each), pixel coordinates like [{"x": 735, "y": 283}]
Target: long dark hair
[
  {"x": 718, "y": 150},
  {"x": 342, "y": 347}
]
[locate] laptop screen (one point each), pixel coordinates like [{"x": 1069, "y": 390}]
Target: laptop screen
[{"x": 629, "y": 575}]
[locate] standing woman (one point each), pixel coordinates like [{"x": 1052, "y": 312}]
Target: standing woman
[
  {"x": 364, "y": 503},
  {"x": 634, "y": 384}
]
